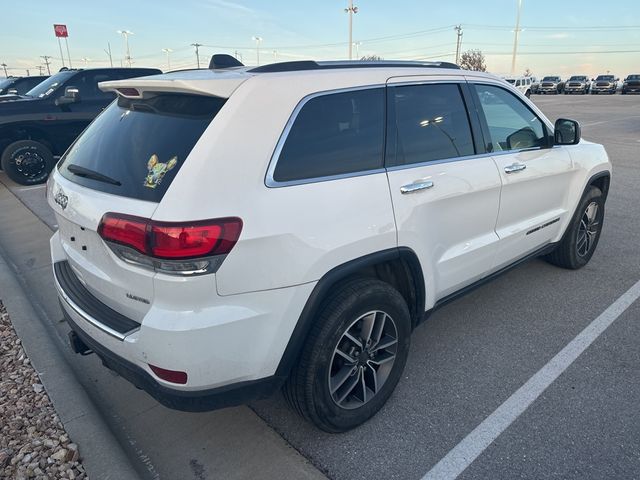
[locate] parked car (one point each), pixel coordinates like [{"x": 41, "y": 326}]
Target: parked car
[
  {"x": 40, "y": 125},
  {"x": 535, "y": 85},
  {"x": 209, "y": 270},
  {"x": 521, "y": 83},
  {"x": 19, "y": 85},
  {"x": 631, "y": 84},
  {"x": 577, "y": 84},
  {"x": 551, "y": 84},
  {"x": 605, "y": 84}
]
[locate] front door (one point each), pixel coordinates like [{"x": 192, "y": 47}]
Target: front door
[{"x": 535, "y": 175}]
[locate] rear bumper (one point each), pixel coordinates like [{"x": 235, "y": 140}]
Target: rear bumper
[
  {"x": 188, "y": 401},
  {"x": 230, "y": 347}
]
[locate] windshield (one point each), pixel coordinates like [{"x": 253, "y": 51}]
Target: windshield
[
  {"x": 633, "y": 77},
  {"x": 605, "y": 77},
  {"x": 51, "y": 84},
  {"x": 139, "y": 145},
  {"x": 550, "y": 79},
  {"x": 578, "y": 79}
]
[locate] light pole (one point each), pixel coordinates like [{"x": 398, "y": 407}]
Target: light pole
[
  {"x": 351, "y": 10},
  {"x": 357, "y": 45},
  {"x": 515, "y": 39},
  {"x": 168, "y": 52},
  {"x": 197, "y": 46},
  {"x": 4, "y": 66},
  {"x": 458, "y": 29},
  {"x": 125, "y": 34},
  {"x": 257, "y": 39},
  {"x": 275, "y": 55},
  {"x": 46, "y": 62}
]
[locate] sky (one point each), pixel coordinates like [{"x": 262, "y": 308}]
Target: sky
[{"x": 554, "y": 39}]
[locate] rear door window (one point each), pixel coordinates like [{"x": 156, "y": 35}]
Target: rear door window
[
  {"x": 135, "y": 148},
  {"x": 334, "y": 134}
]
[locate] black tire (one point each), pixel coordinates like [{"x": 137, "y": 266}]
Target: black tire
[
  {"x": 27, "y": 162},
  {"x": 570, "y": 253},
  {"x": 308, "y": 391}
]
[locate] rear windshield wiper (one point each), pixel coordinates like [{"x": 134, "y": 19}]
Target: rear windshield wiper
[{"x": 93, "y": 175}]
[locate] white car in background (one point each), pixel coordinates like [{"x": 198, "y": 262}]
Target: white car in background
[{"x": 521, "y": 83}]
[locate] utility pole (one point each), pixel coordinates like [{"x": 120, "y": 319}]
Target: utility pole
[
  {"x": 125, "y": 34},
  {"x": 40, "y": 69},
  {"x": 46, "y": 62},
  {"x": 197, "y": 46},
  {"x": 108, "y": 52},
  {"x": 257, "y": 39},
  {"x": 168, "y": 52},
  {"x": 28, "y": 74},
  {"x": 515, "y": 39},
  {"x": 458, "y": 29},
  {"x": 4, "y": 66},
  {"x": 86, "y": 61},
  {"x": 351, "y": 10}
]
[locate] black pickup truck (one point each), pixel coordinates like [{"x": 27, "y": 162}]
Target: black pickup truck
[{"x": 39, "y": 126}]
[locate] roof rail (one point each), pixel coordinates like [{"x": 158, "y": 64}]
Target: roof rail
[{"x": 313, "y": 65}]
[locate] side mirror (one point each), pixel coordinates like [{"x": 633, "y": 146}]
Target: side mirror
[
  {"x": 593, "y": 79},
  {"x": 617, "y": 79},
  {"x": 566, "y": 132},
  {"x": 12, "y": 91},
  {"x": 71, "y": 95}
]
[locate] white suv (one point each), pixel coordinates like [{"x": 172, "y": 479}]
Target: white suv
[{"x": 227, "y": 232}]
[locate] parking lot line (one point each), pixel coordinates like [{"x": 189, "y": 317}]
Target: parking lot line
[{"x": 472, "y": 446}]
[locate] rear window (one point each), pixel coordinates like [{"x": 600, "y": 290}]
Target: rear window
[{"x": 135, "y": 148}]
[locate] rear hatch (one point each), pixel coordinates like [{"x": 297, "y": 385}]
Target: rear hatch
[{"x": 124, "y": 162}]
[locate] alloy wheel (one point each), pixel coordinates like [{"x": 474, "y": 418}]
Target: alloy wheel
[
  {"x": 588, "y": 229},
  {"x": 363, "y": 359}
]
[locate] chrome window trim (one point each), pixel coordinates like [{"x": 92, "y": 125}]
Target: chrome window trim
[
  {"x": 270, "y": 182},
  {"x": 466, "y": 158}
]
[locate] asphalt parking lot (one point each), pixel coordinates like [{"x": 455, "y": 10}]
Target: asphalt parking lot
[{"x": 465, "y": 362}]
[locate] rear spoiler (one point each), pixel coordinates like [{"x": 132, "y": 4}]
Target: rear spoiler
[{"x": 199, "y": 82}]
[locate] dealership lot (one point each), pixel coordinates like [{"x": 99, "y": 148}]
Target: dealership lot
[{"x": 465, "y": 361}]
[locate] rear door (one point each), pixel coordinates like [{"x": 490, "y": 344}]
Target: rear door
[
  {"x": 535, "y": 175},
  {"x": 445, "y": 195}
]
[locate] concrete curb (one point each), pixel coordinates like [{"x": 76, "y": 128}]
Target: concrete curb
[{"x": 102, "y": 456}]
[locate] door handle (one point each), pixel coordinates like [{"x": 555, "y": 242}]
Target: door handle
[
  {"x": 515, "y": 167},
  {"x": 416, "y": 186}
]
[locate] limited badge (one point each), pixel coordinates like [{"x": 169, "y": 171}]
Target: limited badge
[{"x": 157, "y": 170}]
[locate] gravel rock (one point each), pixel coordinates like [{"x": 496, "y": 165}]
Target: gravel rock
[{"x": 33, "y": 442}]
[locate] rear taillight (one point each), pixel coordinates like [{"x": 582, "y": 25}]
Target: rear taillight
[{"x": 168, "y": 246}]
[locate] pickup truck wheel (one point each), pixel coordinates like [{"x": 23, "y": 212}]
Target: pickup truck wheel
[
  {"x": 27, "y": 162},
  {"x": 581, "y": 238},
  {"x": 353, "y": 356}
]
